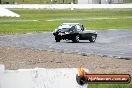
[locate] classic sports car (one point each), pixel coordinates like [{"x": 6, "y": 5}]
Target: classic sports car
[{"x": 74, "y": 32}]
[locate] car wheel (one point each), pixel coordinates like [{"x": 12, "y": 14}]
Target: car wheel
[
  {"x": 57, "y": 39},
  {"x": 92, "y": 38},
  {"x": 75, "y": 39}
]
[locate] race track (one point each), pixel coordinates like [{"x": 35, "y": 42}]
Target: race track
[{"x": 113, "y": 43}]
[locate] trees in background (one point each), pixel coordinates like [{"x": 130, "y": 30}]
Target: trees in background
[{"x": 52, "y": 1}]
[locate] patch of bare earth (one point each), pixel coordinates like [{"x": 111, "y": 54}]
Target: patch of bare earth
[{"x": 17, "y": 58}]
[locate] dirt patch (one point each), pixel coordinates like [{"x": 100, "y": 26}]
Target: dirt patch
[{"x": 16, "y": 58}]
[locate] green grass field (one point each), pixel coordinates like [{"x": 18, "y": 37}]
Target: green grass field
[
  {"x": 48, "y": 20},
  {"x": 110, "y": 85}
]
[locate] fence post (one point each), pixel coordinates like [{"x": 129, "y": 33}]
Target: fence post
[{"x": 72, "y": 8}]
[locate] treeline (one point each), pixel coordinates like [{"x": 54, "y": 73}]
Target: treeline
[
  {"x": 38, "y": 1},
  {"x": 45, "y": 1}
]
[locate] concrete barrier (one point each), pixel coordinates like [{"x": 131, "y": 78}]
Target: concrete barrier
[
  {"x": 40, "y": 78},
  {"x": 4, "y": 12},
  {"x": 2, "y": 68},
  {"x": 66, "y": 6}
]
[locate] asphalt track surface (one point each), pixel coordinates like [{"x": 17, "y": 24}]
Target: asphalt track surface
[{"x": 112, "y": 43}]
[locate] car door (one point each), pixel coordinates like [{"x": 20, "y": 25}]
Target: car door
[
  {"x": 86, "y": 35},
  {"x": 82, "y": 34}
]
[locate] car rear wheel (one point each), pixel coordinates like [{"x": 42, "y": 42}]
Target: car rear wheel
[
  {"x": 75, "y": 39},
  {"x": 92, "y": 38},
  {"x": 57, "y": 39}
]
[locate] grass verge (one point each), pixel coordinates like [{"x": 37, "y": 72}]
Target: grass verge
[
  {"x": 38, "y": 20},
  {"x": 110, "y": 85}
]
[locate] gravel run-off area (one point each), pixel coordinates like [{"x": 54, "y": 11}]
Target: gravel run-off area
[{"x": 19, "y": 58}]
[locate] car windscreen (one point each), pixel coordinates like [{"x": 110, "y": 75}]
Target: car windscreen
[{"x": 66, "y": 28}]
